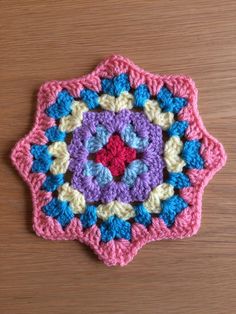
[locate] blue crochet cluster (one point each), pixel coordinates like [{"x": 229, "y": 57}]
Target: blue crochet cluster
[{"x": 114, "y": 87}]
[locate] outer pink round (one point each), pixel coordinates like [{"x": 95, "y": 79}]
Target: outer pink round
[{"x": 120, "y": 252}]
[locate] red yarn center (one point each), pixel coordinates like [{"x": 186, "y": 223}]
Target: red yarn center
[{"x": 115, "y": 155}]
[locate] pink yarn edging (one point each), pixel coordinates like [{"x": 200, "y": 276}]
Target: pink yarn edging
[{"x": 120, "y": 252}]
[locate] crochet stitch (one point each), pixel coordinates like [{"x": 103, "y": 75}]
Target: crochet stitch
[{"x": 118, "y": 158}]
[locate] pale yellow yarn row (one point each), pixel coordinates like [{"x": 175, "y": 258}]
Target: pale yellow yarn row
[
  {"x": 74, "y": 197},
  {"x": 161, "y": 192},
  {"x": 61, "y": 162},
  {"x": 123, "y": 101},
  {"x": 173, "y": 148},
  {"x": 73, "y": 120},
  {"x": 119, "y": 209},
  {"x": 126, "y": 100},
  {"x": 154, "y": 114},
  {"x": 104, "y": 211}
]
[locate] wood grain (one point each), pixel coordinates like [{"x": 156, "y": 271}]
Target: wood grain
[{"x": 46, "y": 40}]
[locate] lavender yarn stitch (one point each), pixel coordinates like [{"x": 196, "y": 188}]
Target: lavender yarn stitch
[{"x": 150, "y": 155}]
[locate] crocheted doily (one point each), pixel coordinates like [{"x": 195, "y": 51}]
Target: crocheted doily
[{"x": 117, "y": 158}]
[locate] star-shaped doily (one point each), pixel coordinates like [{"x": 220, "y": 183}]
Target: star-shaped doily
[{"x": 117, "y": 158}]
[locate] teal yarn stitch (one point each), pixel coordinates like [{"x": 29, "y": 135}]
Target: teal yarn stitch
[
  {"x": 170, "y": 208},
  {"x": 97, "y": 141},
  {"x": 191, "y": 155},
  {"x": 59, "y": 210},
  {"x": 42, "y": 158},
  {"x": 178, "y": 128},
  {"x": 90, "y": 97},
  {"x": 116, "y": 85},
  {"x": 115, "y": 228},
  {"x": 134, "y": 169},
  {"x": 142, "y": 216},
  {"x": 98, "y": 171},
  {"x": 89, "y": 217},
  {"x": 52, "y": 182},
  {"x": 62, "y": 106},
  {"x": 129, "y": 136},
  {"x": 55, "y": 135},
  {"x": 141, "y": 95},
  {"x": 178, "y": 180},
  {"x": 168, "y": 102},
  {"x": 38, "y": 150}
]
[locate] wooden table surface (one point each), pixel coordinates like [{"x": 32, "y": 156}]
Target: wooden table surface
[{"x": 47, "y": 40}]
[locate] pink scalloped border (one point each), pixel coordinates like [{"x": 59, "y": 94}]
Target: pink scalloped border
[{"x": 120, "y": 252}]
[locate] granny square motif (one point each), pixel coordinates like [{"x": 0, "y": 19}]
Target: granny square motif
[{"x": 116, "y": 159}]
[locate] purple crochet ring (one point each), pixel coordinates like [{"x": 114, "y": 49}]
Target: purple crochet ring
[{"x": 116, "y": 123}]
